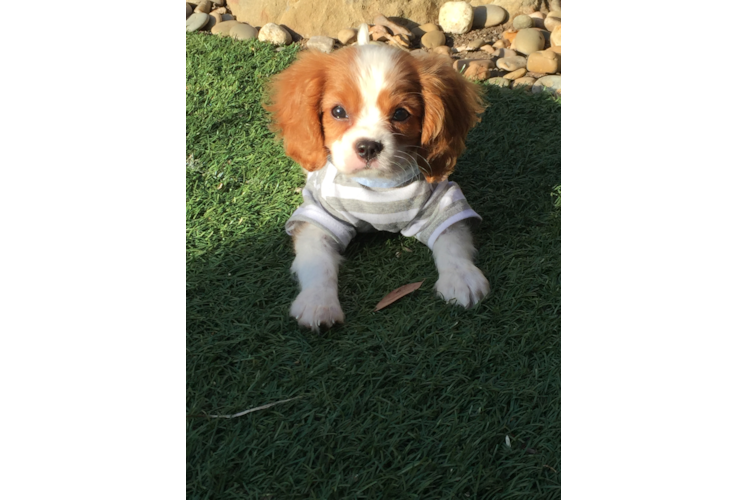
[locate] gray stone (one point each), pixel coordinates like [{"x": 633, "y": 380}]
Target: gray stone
[
  {"x": 346, "y": 36},
  {"x": 196, "y": 21},
  {"x": 242, "y": 31},
  {"x": 223, "y": 28},
  {"x": 550, "y": 83},
  {"x": 522, "y": 21},
  {"x": 528, "y": 41},
  {"x": 499, "y": 81},
  {"x": 475, "y": 44},
  {"x": 511, "y": 63},
  {"x": 485, "y": 16},
  {"x": 504, "y": 53},
  {"x": 433, "y": 39},
  {"x": 321, "y": 43}
]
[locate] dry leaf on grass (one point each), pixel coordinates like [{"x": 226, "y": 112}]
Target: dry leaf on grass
[{"x": 396, "y": 294}]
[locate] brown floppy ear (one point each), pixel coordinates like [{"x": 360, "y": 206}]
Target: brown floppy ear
[
  {"x": 451, "y": 108},
  {"x": 294, "y": 104}
]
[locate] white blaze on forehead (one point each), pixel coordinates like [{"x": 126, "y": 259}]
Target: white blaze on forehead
[{"x": 376, "y": 68}]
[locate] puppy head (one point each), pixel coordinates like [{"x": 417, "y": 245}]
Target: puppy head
[{"x": 376, "y": 111}]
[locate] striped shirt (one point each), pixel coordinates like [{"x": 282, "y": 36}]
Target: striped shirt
[{"x": 342, "y": 207}]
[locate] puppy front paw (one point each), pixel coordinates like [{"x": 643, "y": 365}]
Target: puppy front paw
[
  {"x": 317, "y": 307},
  {"x": 464, "y": 285}
]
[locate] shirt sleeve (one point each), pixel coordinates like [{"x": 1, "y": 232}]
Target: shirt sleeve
[{"x": 446, "y": 206}]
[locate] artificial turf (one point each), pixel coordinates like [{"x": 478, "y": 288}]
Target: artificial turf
[{"x": 419, "y": 400}]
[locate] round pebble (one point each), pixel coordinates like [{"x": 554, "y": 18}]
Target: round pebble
[
  {"x": 548, "y": 83},
  {"x": 433, "y": 39},
  {"x": 456, "y": 17},
  {"x": 537, "y": 19},
  {"x": 522, "y": 21},
  {"x": 511, "y": 63},
  {"x": 504, "y": 53},
  {"x": 556, "y": 36},
  {"x": 204, "y": 6},
  {"x": 223, "y": 28},
  {"x": 242, "y": 31},
  {"x": 274, "y": 34},
  {"x": 551, "y": 22},
  {"x": 486, "y": 16},
  {"x": 499, "y": 44},
  {"x": 529, "y": 41},
  {"x": 197, "y": 20}
]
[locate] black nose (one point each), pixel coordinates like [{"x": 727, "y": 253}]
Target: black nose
[{"x": 368, "y": 149}]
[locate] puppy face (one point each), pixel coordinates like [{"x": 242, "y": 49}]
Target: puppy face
[{"x": 377, "y": 112}]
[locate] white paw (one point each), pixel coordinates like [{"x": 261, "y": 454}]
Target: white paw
[
  {"x": 317, "y": 307},
  {"x": 465, "y": 284}
]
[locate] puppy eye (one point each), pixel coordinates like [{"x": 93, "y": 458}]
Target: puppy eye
[
  {"x": 400, "y": 115},
  {"x": 339, "y": 113}
]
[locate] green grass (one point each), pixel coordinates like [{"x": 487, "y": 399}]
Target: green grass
[{"x": 414, "y": 401}]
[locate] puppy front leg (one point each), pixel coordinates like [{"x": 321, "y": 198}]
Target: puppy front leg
[
  {"x": 459, "y": 279},
  {"x": 316, "y": 266}
]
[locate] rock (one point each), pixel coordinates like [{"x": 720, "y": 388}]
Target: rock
[
  {"x": 241, "y": 31},
  {"x": 197, "y": 20},
  {"x": 527, "y": 81},
  {"x": 475, "y": 44},
  {"x": 223, "y": 28},
  {"x": 477, "y": 69},
  {"x": 395, "y": 28},
  {"x": 551, "y": 22},
  {"x": 556, "y": 49},
  {"x": 509, "y": 36},
  {"x": 442, "y": 49},
  {"x": 204, "y": 6},
  {"x": 227, "y": 17},
  {"x": 544, "y": 61},
  {"x": 486, "y": 16},
  {"x": 499, "y": 44},
  {"x": 528, "y": 41},
  {"x": 456, "y": 17},
  {"x": 556, "y": 36},
  {"x": 546, "y": 37},
  {"x": 220, "y": 3},
  {"x": 429, "y": 27},
  {"x": 189, "y": 10},
  {"x": 322, "y": 43},
  {"x": 433, "y": 39},
  {"x": 274, "y": 34},
  {"x": 347, "y": 36},
  {"x": 399, "y": 41},
  {"x": 516, "y": 74},
  {"x": 418, "y": 52},
  {"x": 212, "y": 21},
  {"x": 309, "y": 18},
  {"x": 505, "y": 53},
  {"x": 514, "y": 7},
  {"x": 522, "y": 21},
  {"x": 511, "y": 63},
  {"x": 488, "y": 49},
  {"x": 498, "y": 81},
  {"x": 551, "y": 83},
  {"x": 378, "y": 33},
  {"x": 537, "y": 19}
]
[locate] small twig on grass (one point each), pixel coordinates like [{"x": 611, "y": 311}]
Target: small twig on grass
[
  {"x": 554, "y": 470},
  {"x": 241, "y": 413}
]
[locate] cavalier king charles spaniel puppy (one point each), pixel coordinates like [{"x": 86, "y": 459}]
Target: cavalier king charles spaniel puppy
[{"x": 378, "y": 131}]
